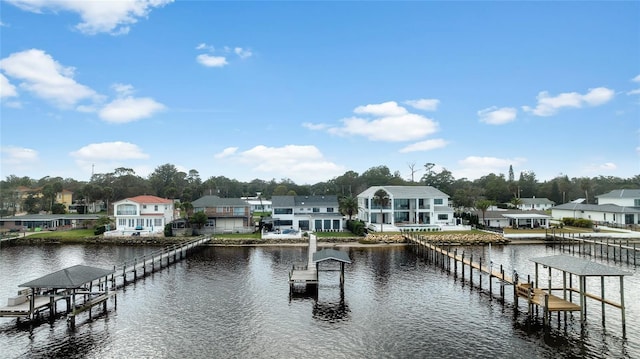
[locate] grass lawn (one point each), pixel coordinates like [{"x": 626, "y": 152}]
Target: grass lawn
[
  {"x": 72, "y": 234},
  {"x": 565, "y": 229},
  {"x": 335, "y": 234},
  {"x": 255, "y": 235}
]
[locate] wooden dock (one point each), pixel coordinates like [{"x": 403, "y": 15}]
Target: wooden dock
[
  {"x": 619, "y": 250},
  {"x": 83, "y": 287},
  {"x": 535, "y": 296}
]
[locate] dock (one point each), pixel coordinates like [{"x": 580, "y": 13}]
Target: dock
[
  {"x": 548, "y": 299},
  {"x": 306, "y": 276},
  {"x": 82, "y": 287}
]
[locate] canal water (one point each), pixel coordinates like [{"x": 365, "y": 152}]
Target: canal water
[{"x": 235, "y": 303}]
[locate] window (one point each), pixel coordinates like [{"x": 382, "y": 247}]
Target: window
[
  {"x": 336, "y": 224},
  {"x": 238, "y": 211},
  {"x": 636, "y": 202},
  {"x": 281, "y": 223},
  {"x": 443, "y": 217},
  {"x": 437, "y": 201},
  {"x": 126, "y": 210},
  {"x": 155, "y": 208},
  {"x": 316, "y": 210},
  {"x": 327, "y": 224},
  {"x": 157, "y": 222},
  {"x": 401, "y": 204},
  {"x": 318, "y": 225},
  {"x": 283, "y": 211},
  {"x": 144, "y": 206},
  {"x": 329, "y": 209}
]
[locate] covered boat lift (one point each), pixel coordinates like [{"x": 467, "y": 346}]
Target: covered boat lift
[
  {"x": 582, "y": 269},
  {"x": 74, "y": 284}
]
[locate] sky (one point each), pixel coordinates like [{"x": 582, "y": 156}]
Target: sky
[{"x": 307, "y": 91}]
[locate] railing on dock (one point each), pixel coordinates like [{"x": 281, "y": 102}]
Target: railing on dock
[
  {"x": 138, "y": 267},
  {"x": 619, "y": 250}
]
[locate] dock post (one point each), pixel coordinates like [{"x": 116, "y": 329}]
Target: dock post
[
  {"x": 462, "y": 265},
  {"x": 113, "y": 278},
  {"x": 471, "y": 269},
  {"x": 124, "y": 274},
  {"x": 480, "y": 273},
  {"x": 455, "y": 263},
  {"x": 602, "y": 296},
  {"x": 144, "y": 265},
  {"x": 515, "y": 289},
  {"x": 624, "y": 324},
  {"x": 135, "y": 271}
]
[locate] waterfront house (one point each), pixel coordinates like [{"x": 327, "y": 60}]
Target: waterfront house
[
  {"x": 406, "y": 206},
  {"x": 539, "y": 204},
  {"x": 513, "y": 218},
  {"x": 621, "y": 197},
  {"x": 306, "y": 213},
  {"x": 144, "y": 215},
  {"x": 224, "y": 215},
  {"x": 612, "y": 214}
]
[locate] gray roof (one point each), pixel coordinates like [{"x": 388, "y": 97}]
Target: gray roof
[
  {"x": 215, "y": 201},
  {"x": 609, "y": 208},
  {"x": 331, "y": 254},
  {"x": 578, "y": 266},
  {"x": 621, "y": 193},
  {"x": 524, "y": 215},
  {"x": 502, "y": 214},
  {"x": 406, "y": 192},
  {"x": 306, "y": 201},
  {"x": 68, "y": 278},
  {"x": 536, "y": 201}
]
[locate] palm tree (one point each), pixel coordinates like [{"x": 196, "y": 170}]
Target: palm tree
[
  {"x": 349, "y": 206},
  {"x": 381, "y": 198},
  {"x": 483, "y": 205},
  {"x": 515, "y": 201}
]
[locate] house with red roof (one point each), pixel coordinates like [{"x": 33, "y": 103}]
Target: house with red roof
[{"x": 142, "y": 215}]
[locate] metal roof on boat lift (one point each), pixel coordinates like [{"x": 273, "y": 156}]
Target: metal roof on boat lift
[
  {"x": 579, "y": 266},
  {"x": 68, "y": 278}
]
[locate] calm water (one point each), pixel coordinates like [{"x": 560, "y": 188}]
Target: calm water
[{"x": 235, "y": 303}]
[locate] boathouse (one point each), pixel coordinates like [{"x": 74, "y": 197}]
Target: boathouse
[{"x": 80, "y": 286}]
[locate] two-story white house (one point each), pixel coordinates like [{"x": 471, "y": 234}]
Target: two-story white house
[
  {"x": 406, "y": 206},
  {"x": 619, "y": 207},
  {"x": 146, "y": 215},
  {"x": 621, "y": 197},
  {"x": 535, "y": 204},
  {"x": 306, "y": 213}
]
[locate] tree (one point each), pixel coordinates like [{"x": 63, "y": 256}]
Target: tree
[
  {"x": 199, "y": 219},
  {"x": 381, "y": 199},
  {"x": 482, "y": 205},
  {"x": 515, "y": 202},
  {"x": 187, "y": 207},
  {"x": 348, "y": 206}
]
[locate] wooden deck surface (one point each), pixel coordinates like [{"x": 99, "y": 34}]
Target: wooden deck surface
[{"x": 22, "y": 309}]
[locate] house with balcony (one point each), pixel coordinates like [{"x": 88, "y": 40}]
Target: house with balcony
[
  {"x": 306, "y": 213},
  {"x": 143, "y": 215},
  {"x": 225, "y": 215},
  {"x": 404, "y": 207}
]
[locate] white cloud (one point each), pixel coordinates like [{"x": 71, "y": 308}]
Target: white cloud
[
  {"x": 109, "y": 151},
  {"x": 473, "y": 167},
  {"x": 636, "y": 79},
  {"x": 497, "y": 116},
  {"x": 609, "y": 166},
  {"x": 548, "y": 106},
  {"x": 390, "y": 122},
  {"x": 122, "y": 89},
  {"x": 229, "y": 151},
  {"x": 6, "y": 88},
  {"x": 426, "y": 104},
  {"x": 19, "y": 156},
  {"x": 113, "y": 17},
  {"x": 315, "y": 126},
  {"x": 427, "y": 145},
  {"x": 128, "y": 109},
  {"x": 203, "y": 46},
  {"x": 300, "y": 163},
  {"x": 389, "y": 108},
  {"x": 598, "y": 168},
  {"x": 211, "y": 61},
  {"x": 243, "y": 53},
  {"x": 46, "y": 78},
  {"x": 634, "y": 92}
]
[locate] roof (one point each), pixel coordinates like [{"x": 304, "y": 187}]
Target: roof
[
  {"x": 68, "y": 278},
  {"x": 499, "y": 214},
  {"x": 609, "y": 208},
  {"x": 215, "y": 201},
  {"x": 406, "y": 192},
  {"x": 331, "y": 254},
  {"x": 526, "y": 215},
  {"x": 146, "y": 199},
  {"x": 578, "y": 266},
  {"x": 621, "y": 193},
  {"x": 535, "y": 200},
  {"x": 304, "y": 201}
]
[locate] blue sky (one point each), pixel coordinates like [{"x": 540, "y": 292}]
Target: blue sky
[{"x": 309, "y": 90}]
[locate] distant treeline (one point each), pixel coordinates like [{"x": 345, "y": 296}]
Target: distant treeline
[{"x": 167, "y": 181}]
